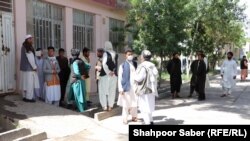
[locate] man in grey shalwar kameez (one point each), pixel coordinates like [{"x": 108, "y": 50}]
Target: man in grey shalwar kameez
[{"x": 146, "y": 86}]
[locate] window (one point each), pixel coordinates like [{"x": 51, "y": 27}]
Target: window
[
  {"x": 48, "y": 25},
  {"x": 6, "y": 5},
  {"x": 83, "y": 30},
  {"x": 117, "y": 34}
]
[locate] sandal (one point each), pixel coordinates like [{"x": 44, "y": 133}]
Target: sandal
[
  {"x": 134, "y": 119},
  {"x": 223, "y": 95},
  {"x": 125, "y": 122},
  {"x": 110, "y": 108}
]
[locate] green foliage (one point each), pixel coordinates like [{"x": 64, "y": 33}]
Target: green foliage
[
  {"x": 248, "y": 55},
  {"x": 216, "y": 23},
  {"x": 159, "y": 25}
]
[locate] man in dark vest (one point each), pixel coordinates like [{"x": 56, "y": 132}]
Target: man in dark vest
[{"x": 108, "y": 78}]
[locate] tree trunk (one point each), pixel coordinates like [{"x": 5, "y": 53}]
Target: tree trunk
[
  {"x": 188, "y": 66},
  {"x": 160, "y": 71}
]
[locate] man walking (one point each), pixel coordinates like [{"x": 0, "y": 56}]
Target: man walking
[
  {"x": 228, "y": 74},
  {"x": 127, "y": 97}
]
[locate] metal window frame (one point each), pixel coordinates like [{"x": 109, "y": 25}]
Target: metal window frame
[
  {"x": 48, "y": 24},
  {"x": 7, "y": 6},
  {"x": 114, "y": 35},
  {"x": 83, "y": 29}
]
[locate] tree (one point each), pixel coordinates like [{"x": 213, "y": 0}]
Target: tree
[
  {"x": 216, "y": 24},
  {"x": 160, "y": 26}
]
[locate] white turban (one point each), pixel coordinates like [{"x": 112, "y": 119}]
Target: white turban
[
  {"x": 146, "y": 54},
  {"x": 108, "y": 46}
]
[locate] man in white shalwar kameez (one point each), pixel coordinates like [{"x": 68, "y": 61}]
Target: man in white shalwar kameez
[
  {"x": 127, "y": 97},
  {"x": 228, "y": 74},
  {"x": 39, "y": 61},
  {"x": 29, "y": 78},
  {"x": 146, "y": 86},
  {"x": 108, "y": 77}
]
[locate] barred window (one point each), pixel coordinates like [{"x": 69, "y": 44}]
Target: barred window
[
  {"x": 117, "y": 34},
  {"x": 48, "y": 25},
  {"x": 6, "y": 5},
  {"x": 83, "y": 29}
]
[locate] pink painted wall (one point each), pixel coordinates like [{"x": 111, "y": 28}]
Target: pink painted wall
[
  {"x": 20, "y": 32},
  {"x": 101, "y": 22}
]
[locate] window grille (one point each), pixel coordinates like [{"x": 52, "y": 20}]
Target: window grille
[
  {"x": 117, "y": 34},
  {"x": 6, "y": 5},
  {"x": 48, "y": 25},
  {"x": 83, "y": 30}
]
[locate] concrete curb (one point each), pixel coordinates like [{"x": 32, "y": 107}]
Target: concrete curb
[
  {"x": 106, "y": 114},
  {"x": 33, "y": 137},
  {"x": 14, "y": 134}
]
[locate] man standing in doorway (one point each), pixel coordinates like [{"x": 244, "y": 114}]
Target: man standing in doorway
[{"x": 228, "y": 74}]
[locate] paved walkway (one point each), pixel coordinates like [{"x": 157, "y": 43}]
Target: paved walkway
[{"x": 233, "y": 109}]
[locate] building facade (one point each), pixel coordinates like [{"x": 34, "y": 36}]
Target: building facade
[{"x": 60, "y": 23}]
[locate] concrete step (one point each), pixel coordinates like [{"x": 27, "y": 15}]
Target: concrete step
[
  {"x": 14, "y": 134},
  {"x": 33, "y": 137},
  {"x": 106, "y": 114}
]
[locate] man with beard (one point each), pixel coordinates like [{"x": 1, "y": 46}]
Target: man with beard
[
  {"x": 174, "y": 69},
  {"x": 228, "y": 74},
  {"x": 198, "y": 68},
  {"x": 98, "y": 66},
  {"x": 29, "y": 79}
]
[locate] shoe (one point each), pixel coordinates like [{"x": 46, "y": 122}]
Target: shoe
[
  {"x": 89, "y": 102},
  {"x": 134, "y": 119},
  {"x": 172, "y": 96},
  {"x": 151, "y": 123},
  {"x": 201, "y": 99},
  {"x": 189, "y": 96},
  {"x": 25, "y": 100},
  {"x": 223, "y": 95},
  {"x": 104, "y": 108},
  {"x": 32, "y": 101},
  {"x": 177, "y": 96},
  {"x": 125, "y": 122}
]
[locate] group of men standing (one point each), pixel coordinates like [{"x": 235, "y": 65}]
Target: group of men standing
[
  {"x": 199, "y": 69},
  {"x": 51, "y": 79},
  {"x": 48, "y": 78},
  {"x": 199, "y": 80}
]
